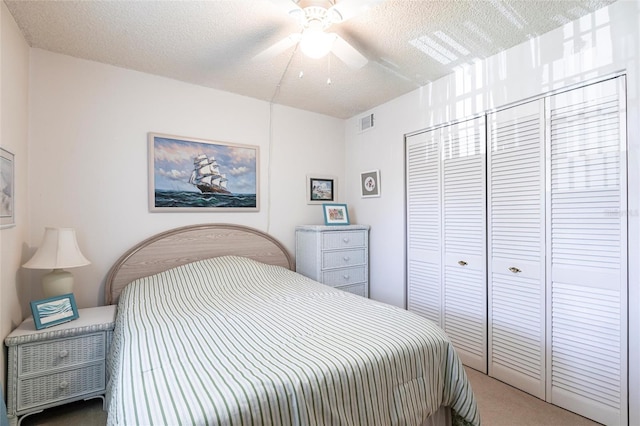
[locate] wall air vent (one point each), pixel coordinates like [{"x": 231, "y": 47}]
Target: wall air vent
[{"x": 366, "y": 122}]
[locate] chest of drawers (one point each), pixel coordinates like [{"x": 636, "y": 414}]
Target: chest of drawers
[
  {"x": 60, "y": 364},
  {"x": 335, "y": 255}
]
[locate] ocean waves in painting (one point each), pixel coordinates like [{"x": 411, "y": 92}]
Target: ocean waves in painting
[
  {"x": 55, "y": 311},
  {"x": 59, "y": 308},
  {"x": 198, "y": 200}
]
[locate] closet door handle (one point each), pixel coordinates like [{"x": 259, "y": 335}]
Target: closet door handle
[
  {"x": 514, "y": 270},
  {"x": 462, "y": 263}
]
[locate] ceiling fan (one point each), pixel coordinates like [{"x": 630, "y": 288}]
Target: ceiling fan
[{"x": 315, "y": 17}]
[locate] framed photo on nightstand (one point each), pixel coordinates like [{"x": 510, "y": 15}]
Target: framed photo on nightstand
[{"x": 54, "y": 310}]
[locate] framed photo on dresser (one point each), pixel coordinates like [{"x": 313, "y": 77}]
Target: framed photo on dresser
[{"x": 335, "y": 214}]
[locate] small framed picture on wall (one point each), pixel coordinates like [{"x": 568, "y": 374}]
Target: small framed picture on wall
[
  {"x": 370, "y": 183},
  {"x": 321, "y": 189}
]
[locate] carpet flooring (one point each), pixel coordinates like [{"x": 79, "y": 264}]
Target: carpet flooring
[
  {"x": 503, "y": 405},
  {"x": 499, "y": 404}
]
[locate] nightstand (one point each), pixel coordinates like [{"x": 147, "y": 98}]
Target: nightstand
[
  {"x": 59, "y": 364},
  {"x": 335, "y": 255}
]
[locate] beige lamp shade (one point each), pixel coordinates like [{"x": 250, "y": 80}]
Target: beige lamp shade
[{"x": 58, "y": 250}]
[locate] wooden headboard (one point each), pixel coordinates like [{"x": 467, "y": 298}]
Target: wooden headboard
[{"x": 190, "y": 243}]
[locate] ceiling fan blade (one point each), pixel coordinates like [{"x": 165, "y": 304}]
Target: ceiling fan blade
[
  {"x": 347, "y": 9},
  {"x": 347, "y": 53},
  {"x": 277, "y": 48},
  {"x": 291, "y": 8}
]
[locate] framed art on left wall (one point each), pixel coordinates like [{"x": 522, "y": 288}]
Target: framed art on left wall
[{"x": 7, "y": 187}]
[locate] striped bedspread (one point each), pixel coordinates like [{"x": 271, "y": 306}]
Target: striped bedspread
[{"x": 231, "y": 341}]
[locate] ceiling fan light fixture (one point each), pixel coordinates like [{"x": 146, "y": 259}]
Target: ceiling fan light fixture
[{"x": 316, "y": 43}]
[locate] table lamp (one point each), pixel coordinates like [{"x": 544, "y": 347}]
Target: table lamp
[{"x": 59, "y": 249}]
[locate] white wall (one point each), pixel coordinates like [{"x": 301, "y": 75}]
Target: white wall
[
  {"x": 597, "y": 45},
  {"x": 88, "y": 157},
  {"x": 14, "y": 67}
]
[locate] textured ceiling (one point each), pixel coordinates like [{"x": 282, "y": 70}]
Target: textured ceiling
[{"x": 212, "y": 43}]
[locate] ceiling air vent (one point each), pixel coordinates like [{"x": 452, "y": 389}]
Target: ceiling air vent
[{"x": 366, "y": 122}]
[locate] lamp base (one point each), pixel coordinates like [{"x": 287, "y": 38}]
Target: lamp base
[{"x": 57, "y": 282}]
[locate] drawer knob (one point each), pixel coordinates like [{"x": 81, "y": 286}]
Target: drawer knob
[
  {"x": 64, "y": 384},
  {"x": 63, "y": 353},
  {"x": 346, "y": 240},
  {"x": 514, "y": 270},
  {"x": 346, "y": 277},
  {"x": 462, "y": 263},
  {"x": 346, "y": 258}
]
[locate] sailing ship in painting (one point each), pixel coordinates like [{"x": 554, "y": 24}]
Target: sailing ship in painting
[
  {"x": 190, "y": 174},
  {"x": 206, "y": 176}
]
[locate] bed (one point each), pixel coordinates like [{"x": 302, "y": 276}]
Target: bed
[{"x": 215, "y": 327}]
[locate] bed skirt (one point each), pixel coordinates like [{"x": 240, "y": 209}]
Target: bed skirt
[{"x": 442, "y": 417}]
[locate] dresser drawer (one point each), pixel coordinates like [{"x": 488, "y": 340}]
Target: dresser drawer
[
  {"x": 342, "y": 258},
  {"x": 341, "y": 240},
  {"x": 51, "y": 388},
  {"x": 50, "y": 355},
  {"x": 345, "y": 276}
]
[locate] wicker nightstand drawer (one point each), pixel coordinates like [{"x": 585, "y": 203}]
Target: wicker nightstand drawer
[
  {"x": 342, "y": 258},
  {"x": 345, "y": 276},
  {"x": 45, "y": 356},
  {"x": 340, "y": 240},
  {"x": 51, "y": 388}
]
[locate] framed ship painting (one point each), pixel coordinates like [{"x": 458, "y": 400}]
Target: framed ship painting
[{"x": 187, "y": 174}]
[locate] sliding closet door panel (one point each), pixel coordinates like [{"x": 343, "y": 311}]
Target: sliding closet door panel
[
  {"x": 464, "y": 236},
  {"x": 587, "y": 365},
  {"x": 424, "y": 235},
  {"x": 446, "y": 234},
  {"x": 516, "y": 247}
]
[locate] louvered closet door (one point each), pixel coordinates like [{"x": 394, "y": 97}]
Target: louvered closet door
[
  {"x": 424, "y": 247},
  {"x": 464, "y": 238},
  {"x": 516, "y": 247},
  {"x": 587, "y": 237}
]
